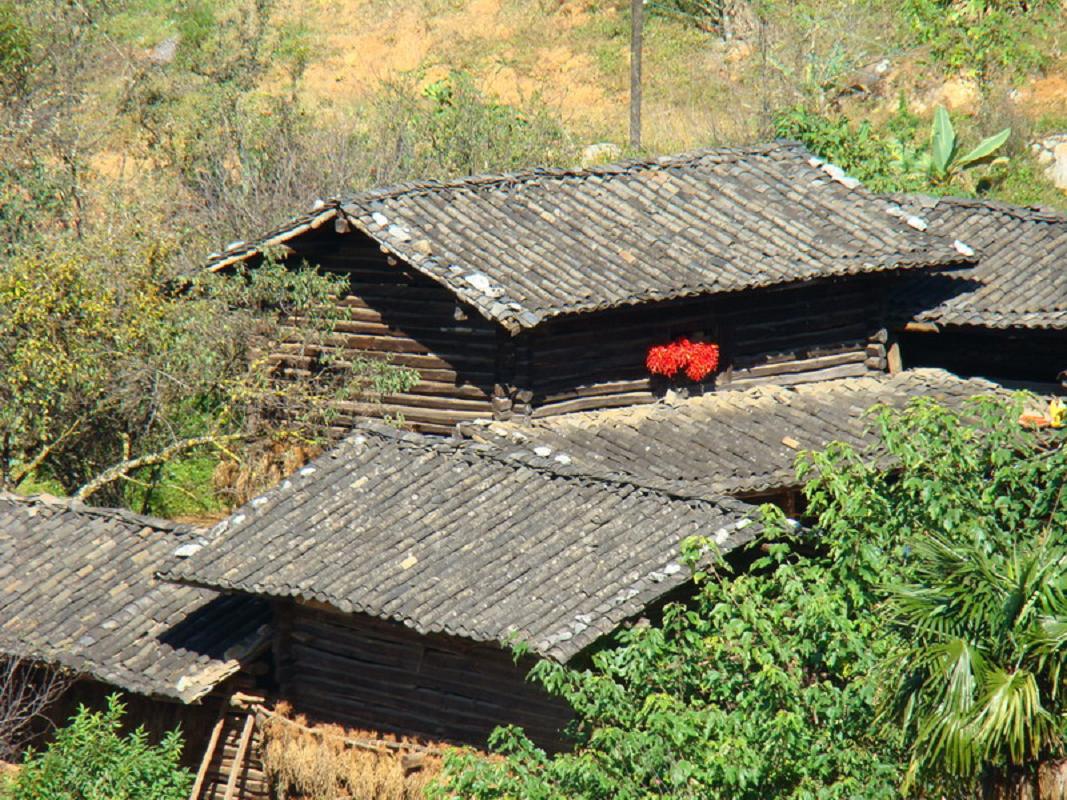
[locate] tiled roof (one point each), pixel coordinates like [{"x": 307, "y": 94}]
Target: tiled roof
[
  {"x": 1021, "y": 276},
  {"x": 524, "y": 247},
  {"x": 725, "y": 443},
  {"x": 450, "y": 537},
  {"x": 78, "y": 589}
]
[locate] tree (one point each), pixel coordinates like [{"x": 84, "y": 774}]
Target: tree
[
  {"x": 89, "y": 759},
  {"x": 27, "y": 691},
  {"x": 968, "y": 532},
  {"x": 107, "y": 375},
  {"x": 791, "y": 679},
  {"x": 756, "y": 689},
  {"x": 979, "y": 686}
]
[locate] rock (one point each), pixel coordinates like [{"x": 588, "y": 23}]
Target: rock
[
  {"x": 957, "y": 94},
  {"x": 164, "y": 52},
  {"x": 1057, "y": 170},
  {"x": 868, "y": 79},
  {"x": 600, "y": 153},
  {"x": 1051, "y": 153}
]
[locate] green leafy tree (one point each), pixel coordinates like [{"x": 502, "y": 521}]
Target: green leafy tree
[
  {"x": 90, "y": 759},
  {"x": 107, "y": 376},
  {"x": 791, "y": 679},
  {"x": 979, "y": 687},
  {"x": 758, "y": 689}
]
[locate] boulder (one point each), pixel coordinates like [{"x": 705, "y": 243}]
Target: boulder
[
  {"x": 600, "y": 153},
  {"x": 1051, "y": 153}
]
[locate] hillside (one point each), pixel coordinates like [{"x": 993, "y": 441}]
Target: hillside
[{"x": 141, "y": 135}]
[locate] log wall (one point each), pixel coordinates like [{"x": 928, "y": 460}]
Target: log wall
[
  {"x": 783, "y": 335},
  {"x": 361, "y": 672},
  {"x": 471, "y": 368},
  {"x": 397, "y": 314}
]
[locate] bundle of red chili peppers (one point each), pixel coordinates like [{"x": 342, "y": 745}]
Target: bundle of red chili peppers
[{"x": 698, "y": 359}]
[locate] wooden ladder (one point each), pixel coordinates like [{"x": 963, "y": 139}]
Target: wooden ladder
[{"x": 214, "y": 769}]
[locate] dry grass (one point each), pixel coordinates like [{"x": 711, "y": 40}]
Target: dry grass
[
  {"x": 240, "y": 481},
  {"x": 328, "y": 762}
]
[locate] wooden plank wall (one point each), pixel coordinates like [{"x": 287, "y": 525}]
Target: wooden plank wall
[
  {"x": 471, "y": 368},
  {"x": 776, "y": 335},
  {"x": 395, "y": 313},
  {"x": 366, "y": 673}
]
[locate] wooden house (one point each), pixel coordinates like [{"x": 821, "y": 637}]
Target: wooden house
[
  {"x": 80, "y": 596},
  {"x": 1004, "y": 319},
  {"x": 540, "y": 292},
  {"x": 401, "y": 568}
]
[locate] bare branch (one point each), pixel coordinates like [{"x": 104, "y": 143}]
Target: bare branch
[
  {"x": 122, "y": 469},
  {"x": 27, "y": 690}
]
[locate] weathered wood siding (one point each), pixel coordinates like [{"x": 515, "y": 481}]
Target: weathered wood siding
[
  {"x": 361, "y": 672},
  {"x": 777, "y": 335},
  {"x": 471, "y": 368},
  {"x": 395, "y": 313}
]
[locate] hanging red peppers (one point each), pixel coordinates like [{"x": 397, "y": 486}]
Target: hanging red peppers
[{"x": 697, "y": 359}]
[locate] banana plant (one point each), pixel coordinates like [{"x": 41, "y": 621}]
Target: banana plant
[{"x": 945, "y": 162}]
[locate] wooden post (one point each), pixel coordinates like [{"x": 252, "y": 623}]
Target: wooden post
[{"x": 637, "y": 22}]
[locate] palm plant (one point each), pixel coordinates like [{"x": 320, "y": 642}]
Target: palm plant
[{"x": 979, "y": 687}]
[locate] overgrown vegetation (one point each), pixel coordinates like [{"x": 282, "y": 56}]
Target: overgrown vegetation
[
  {"x": 90, "y": 759},
  {"x": 869, "y": 654},
  {"x": 128, "y": 375},
  {"x": 899, "y": 158}
]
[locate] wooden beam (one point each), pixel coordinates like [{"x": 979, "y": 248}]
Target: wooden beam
[
  {"x": 637, "y": 23},
  {"x": 921, "y": 327}
]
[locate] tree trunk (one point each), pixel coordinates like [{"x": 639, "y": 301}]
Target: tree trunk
[
  {"x": 1011, "y": 784},
  {"x": 1052, "y": 780},
  {"x": 1048, "y": 781}
]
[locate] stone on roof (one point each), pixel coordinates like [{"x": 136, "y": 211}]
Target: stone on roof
[
  {"x": 741, "y": 442},
  {"x": 450, "y": 537},
  {"x": 529, "y": 246},
  {"x": 78, "y": 590},
  {"x": 1020, "y": 280}
]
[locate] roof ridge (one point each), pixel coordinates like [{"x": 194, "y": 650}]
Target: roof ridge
[
  {"x": 78, "y": 507},
  {"x": 720, "y": 154},
  {"x": 1022, "y": 213},
  {"x": 542, "y": 464},
  {"x": 758, "y": 392}
]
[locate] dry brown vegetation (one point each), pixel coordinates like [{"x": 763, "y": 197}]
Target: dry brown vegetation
[{"x": 329, "y": 762}]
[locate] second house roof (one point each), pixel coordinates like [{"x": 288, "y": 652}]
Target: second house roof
[
  {"x": 1020, "y": 280},
  {"x": 78, "y": 589},
  {"x": 525, "y": 247},
  {"x": 449, "y": 537}
]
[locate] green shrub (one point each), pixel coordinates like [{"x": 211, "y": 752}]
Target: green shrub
[
  {"x": 90, "y": 760},
  {"x": 791, "y": 680},
  {"x": 980, "y": 35},
  {"x": 875, "y": 156}
]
